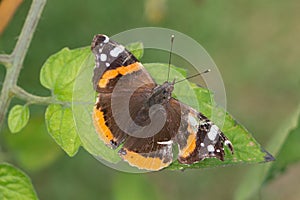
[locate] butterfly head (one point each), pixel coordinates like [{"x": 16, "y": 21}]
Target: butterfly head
[
  {"x": 162, "y": 93},
  {"x": 167, "y": 89}
]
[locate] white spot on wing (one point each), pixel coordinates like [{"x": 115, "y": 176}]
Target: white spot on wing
[
  {"x": 213, "y": 132},
  {"x": 106, "y": 39},
  {"x": 210, "y": 148},
  {"x": 116, "y": 51},
  {"x": 227, "y": 142},
  {"x": 202, "y": 144},
  {"x": 103, "y": 57},
  {"x": 97, "y": 100},
  {"x": 165, "y": 142},
  {"x": 107, "y": 64},
  {"x": 193, "y": 123}
]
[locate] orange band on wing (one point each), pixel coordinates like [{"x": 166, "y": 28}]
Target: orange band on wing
[
  {"x": 129, "y": 69},
  {"x": 102, "y": 83},
  {"x": 101, "y": 128},
  {"x": 190, "y": 146},
  {"x": 113, "y": 73},
  {"x": 141, "y": 162},
  {"x": 110, "y": 74}
]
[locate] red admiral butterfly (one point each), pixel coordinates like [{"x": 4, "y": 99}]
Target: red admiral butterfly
[{"x": 197, "y": 137}]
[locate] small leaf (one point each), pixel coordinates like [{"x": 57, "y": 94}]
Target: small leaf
[
  {"x": 137, "y": 49},
  {"x": 18, "y": 118},
  {"x": 33, "y": 149},
  {"x": 14, "y": 184},
  {"x": 61, "y": 126},
  {"x": 60, "y": 71}
]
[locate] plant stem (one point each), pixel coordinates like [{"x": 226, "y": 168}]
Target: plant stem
[
  {"x": 18, "y": 55},
  {"x": 6, "y": 60},
  {"x": 26, "y": 35},
  {"x": 30, "y": 98}
]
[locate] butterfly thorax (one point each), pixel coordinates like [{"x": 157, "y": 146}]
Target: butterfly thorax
[{"x": 161, "y": 93}]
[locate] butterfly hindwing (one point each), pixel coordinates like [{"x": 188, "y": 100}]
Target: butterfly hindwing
[
  {"x": 199, "y": 138},
  {"x": 155, "y": 152}
]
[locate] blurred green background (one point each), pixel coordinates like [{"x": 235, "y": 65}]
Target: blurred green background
[{"x": 254, "y": 43}]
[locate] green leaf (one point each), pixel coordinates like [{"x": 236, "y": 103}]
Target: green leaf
[
  {"x": 60, "y": 71},
  {"x": 59, "y": 74},
  {"x": 137, "y": 49},
  {"x": 61, "y": 126},
  {"x": 33, "y": 149},
  {"x": 14, "y": 184},
  {"x": 257, "y": 176},
  {"x": 18, "y": 118}
]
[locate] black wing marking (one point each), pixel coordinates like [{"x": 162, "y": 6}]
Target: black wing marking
[{"x": 199, "y": 138}]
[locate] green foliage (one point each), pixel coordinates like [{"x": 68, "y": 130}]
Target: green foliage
[
  {"x": 61, "y": 126},
  {"x": 240, "y": 56},
  {"x": 18, "y": 118},
  {"x": 60, "y": 70},
  {"x": 58, "y": 75},
  {"x": 14, "y": 184}
]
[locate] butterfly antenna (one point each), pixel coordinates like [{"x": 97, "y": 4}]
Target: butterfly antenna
[
  {"x": 170, "y": 56},
  {"x": 204, "y": 72}
]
